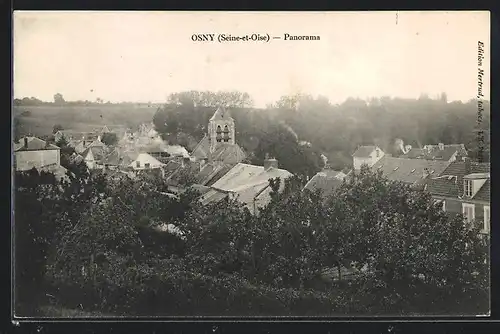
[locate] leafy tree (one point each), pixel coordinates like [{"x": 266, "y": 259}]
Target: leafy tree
[
  {"x": 57, "y": 127},
  {"x": 109, "y": 138},
  {"x": 59, "y": 99}
]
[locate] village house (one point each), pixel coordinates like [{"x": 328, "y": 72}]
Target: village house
[
  {"x": 144, "y": 161},
  {"x": 72, "y": 135},
  {"x": 327, "y": 181},
  {"x": 94, "y": 154},
  {"x": 247, "y": 184},
  {"x": 366, "y": 155},
  {"x": 410, "y": 171},
  {"x": 441, "y": 152},
  {"x": 32, "y": 152},
  {"x": 464, "y": 187}
]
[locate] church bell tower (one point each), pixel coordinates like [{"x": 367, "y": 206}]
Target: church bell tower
[{"x": 221, "y": 129}]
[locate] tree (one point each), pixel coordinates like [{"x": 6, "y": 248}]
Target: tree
[
  {"x": 56, "y": 128},
  {"x": 58, "y": 99},
  {"x": 229, "y": 99},
  {"x": 109, "y": 138}
]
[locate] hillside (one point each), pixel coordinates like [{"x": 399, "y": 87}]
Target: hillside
[{"x": 40, "y": 120}]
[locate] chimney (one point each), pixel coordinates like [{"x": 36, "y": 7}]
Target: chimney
[
  {"x": 467, "y": 165},
  {"x": 441, "y": 146},
  {"x": 25, "y": 142},
  {"x": 270, "y": 163}
]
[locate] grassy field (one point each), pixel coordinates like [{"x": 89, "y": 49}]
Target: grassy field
[{"x": 40, "y": 120}]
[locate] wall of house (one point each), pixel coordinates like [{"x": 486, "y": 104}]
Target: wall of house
[
  {"x": 370, "y": 161},
  {"x": 454, "y": 206},
  {"x": 143, "y": 159},
  {"x": 26, "y": 160}
]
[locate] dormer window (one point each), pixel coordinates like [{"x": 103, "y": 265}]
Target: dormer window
[{"x": 468, "y": 188}]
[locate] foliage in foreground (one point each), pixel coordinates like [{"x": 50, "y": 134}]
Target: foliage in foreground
[{"x": 96, "y": 248}]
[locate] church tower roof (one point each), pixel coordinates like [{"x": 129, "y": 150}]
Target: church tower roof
[{"x": 221, "y": 114}]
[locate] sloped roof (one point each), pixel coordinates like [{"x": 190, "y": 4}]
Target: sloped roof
[
  {"x": 171, "y": 167},
  {"x": 228, "y": 153},
  {"x": 97, "y": 152},
  {"x": 176, "y": 150},
  {"x": 77, "y": 158},
  {"x": 248, "y": 175},
  {"x": 219, "y": 172},
  {"x": 58, "y": 171},
  {"x": 434, "y": 153},
  {"x": 201, "y": 150},
  {"x": 327, "y": 181},
  {"x": 246, "y": 183},
  {"x": 213, "y": 195},
  {"x": 409, "y": 170},
  {"x": 119, "y": 158},
  {"x": 97, "y": 143},
  {"x": 201, "y": 188},
  {"x": 450, "y": 184},
  {"x": 73, "y": 134},
  {"x": 147, "y": 158},
  {"x": 33, "y": 144},
  {"x": 221, "y": 114},
  {"x": 364, "y": 151}
]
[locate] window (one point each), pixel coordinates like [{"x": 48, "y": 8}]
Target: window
[
  {"x": 147, "y": 165},
  {"x": 378, "y": 153},
  {"x": 138, "y": 164},
  {"x": 468, "y": 211},
  {"x": 486, "y": 218},
  {"x": 468, "y": 188}
]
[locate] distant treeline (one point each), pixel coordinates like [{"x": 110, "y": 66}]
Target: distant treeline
[
  {"x": 33, "y": 101},
  {"x": 304, "y": 124}
]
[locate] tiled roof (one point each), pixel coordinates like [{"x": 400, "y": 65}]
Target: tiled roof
[
  {"x": 228, "y": 153},
  {"x": 33, "y": 144},
  {"x": 484, "y": 193},
  {"x": 97, "y": 143},
  {"x": 364, "y": 151},
  {"x": 246, "y": 183},
  {"x": 176, "y": 150},
  {"x": 450, "y": 184},
  {"x": 213, "y": 196},
  {"x": 118, "y": 158},
  {"x": 244, "y": 174},
  {"x": 171, "y": 167},
  {"x": 434, "y": 153},
  {"x": 221, "y": 114},
  {"x": 201, "y": 188},
  {"x": 219, "y": 172},
  {"x": 72, "y": 134},
  {"x": 97, "y": 152},
  {"x": 409, "y": 170},
  {"x": 328, "y": 181},
  {"x": 201, "y": 150}
]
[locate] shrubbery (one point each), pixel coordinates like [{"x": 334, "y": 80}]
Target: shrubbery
[{"x": 101, "y": 252}]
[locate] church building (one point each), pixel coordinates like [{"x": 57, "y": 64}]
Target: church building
[{"x": 219, "y": 144}]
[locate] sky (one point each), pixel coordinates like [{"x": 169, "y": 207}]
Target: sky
[{"x": 145, "y": 56}]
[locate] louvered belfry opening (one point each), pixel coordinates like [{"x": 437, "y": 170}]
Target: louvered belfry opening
[
  {"x": 218, "y": 136},
  {"x": 226, "y": 134}
]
